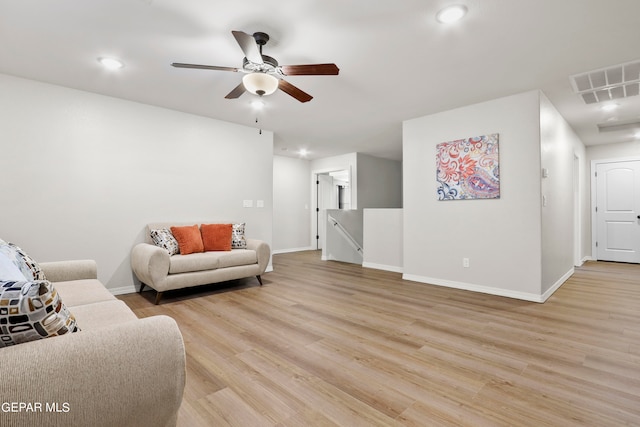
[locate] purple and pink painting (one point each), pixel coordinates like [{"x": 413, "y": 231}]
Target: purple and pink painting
[{"x": 468, "y": 168}]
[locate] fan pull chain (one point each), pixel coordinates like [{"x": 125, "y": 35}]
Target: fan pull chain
[{"x": 260, "y": 129}]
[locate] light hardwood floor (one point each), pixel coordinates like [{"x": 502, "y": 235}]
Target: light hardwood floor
[{"x": 328, "y": 343}]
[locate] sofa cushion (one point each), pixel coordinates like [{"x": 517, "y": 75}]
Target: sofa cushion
[
  {"x": 238, "y": 240},
  {"x": 27, "y": 265},
  {"x": 216, "y": 237},
  {"x": 163, "y": 238},
  {"x": 211, "y": 260},
  {"x": 193, "y": 262},
  {"x": 103, "y": 314},
  {"x": 81, "y": 292},
  {"x": 238, "y": 257},
  {"x": 32, "y": 310},
  {"x": 189, "y": 239}
]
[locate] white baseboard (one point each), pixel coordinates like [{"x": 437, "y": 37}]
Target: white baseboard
[
  {"x": 526, "y": 296},
  {"x": 286, "y": 251},
  {"x": 556, "y": 285},
  {"x": 123, "y": 290},
  {"x": 473, "y": 287},
  {"x": 394, "y": 268},
  {"x": 587, "y": 258}
]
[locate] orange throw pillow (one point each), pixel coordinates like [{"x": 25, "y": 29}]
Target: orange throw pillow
[
  {"x": 216, "y": 237},
  {"x": 189, "y": 239}
]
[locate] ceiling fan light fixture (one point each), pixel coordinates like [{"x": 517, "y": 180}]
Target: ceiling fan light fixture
[
  {"x": 451, "y": 14},
  {"x": 260, "y": 83}
]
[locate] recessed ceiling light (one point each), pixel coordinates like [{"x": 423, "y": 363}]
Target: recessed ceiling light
[
  {"x": 451, "y": 13},
  {"x": 637, "y": 135},
  {"x": 609, "y": 107},
  {"x": 110, "y": 63},
  {"x": 303, "y": 152}
]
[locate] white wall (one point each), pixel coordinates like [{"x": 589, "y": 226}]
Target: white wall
[
  {"x": 291, "y": 204},
  {"x": 558, "y": 146},
  {"x": 379, "y": 182},
  {"x": 83, "y": 174},
  {"x": 613, "y": 151},
  {"x": 501, "y": 237},
  {"x": 383, "y": 239}
]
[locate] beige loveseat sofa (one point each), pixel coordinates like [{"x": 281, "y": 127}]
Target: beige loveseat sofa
[
  {"x": 154, "y": 267},
  {"x": 118, "y": 370}
]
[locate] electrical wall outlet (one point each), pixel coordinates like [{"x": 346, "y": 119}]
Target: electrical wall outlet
[{"x": 465, "y": 262}]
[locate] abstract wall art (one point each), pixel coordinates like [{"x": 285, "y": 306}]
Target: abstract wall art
[{"x": 468, "y": 168}]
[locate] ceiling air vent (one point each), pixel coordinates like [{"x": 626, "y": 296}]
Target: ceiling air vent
[{"x": 606, "y": 84}]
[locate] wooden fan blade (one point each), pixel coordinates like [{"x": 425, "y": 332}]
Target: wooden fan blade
[
  {"x": 249, "y": 46},
  {"x": 310, "y": 70},
  {"x": 290, "y": 89},
  {"x": 236, "y": 92},
  {"x": 204, "y": 67}
]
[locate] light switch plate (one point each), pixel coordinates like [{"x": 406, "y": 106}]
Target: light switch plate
[
  {"x": 260, "y": 203},
  {"x": 247, "y": 203}
]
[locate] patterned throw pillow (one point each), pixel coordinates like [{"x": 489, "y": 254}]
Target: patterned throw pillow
[
  {"x": 237, "y": 237},
  {"x": 10, "y": 271},
  {"x": 163, "y": 238},
  {"x": 27, "y": 265},
  {"x": 30, "y": 311}
]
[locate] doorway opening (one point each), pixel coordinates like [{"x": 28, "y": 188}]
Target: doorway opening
[
  {"x": 615, "y": 219},
  {"x": 332, "y": 191}
]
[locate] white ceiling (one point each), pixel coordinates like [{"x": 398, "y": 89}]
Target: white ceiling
[{"x": 396, "y": 62}]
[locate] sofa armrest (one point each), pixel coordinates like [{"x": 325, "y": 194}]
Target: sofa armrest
[
  {"x": 150, "y": 264},
  {"x": 62, "y": 271},
  {"x": 129, "y": 374},
  {"x": 263, "y": 252}
]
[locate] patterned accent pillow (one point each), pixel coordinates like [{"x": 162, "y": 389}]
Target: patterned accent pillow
[
  {"x": 163, "y": 238},
  {"x": 27, "y": 265},
  {"x": 237, "y": 237},
  {"x": 10, "y": 271},
  {"x": 30, "y": 311}
]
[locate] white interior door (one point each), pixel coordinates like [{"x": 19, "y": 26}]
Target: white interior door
[{"x": 618, "y": 211}]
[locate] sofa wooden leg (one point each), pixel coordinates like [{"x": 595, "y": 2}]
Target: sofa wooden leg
[
  {"x": 141, "y": 287},
  {"x": 158, "y": 297},
  {"x": 259, "y": 279}
]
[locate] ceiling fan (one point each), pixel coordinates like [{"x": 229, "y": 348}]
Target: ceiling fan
[{"x": 263, "y": 74}]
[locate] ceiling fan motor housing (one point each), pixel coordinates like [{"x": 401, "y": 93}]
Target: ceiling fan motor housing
[{"x": 269, "y": 66}]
